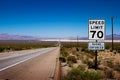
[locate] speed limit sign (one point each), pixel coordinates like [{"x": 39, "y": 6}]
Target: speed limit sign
[{"x": 96, "y": 29}]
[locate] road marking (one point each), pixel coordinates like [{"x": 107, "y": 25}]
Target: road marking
[
  {"x": 17, "y": 63},
  {"x": 23, "y": 61}
]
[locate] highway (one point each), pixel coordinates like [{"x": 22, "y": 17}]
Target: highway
[{"x": 35, "y": 65}]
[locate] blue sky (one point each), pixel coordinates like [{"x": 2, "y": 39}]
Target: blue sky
[{"x": 56, "y": 18}]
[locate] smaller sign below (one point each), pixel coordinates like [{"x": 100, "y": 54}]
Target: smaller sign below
[{"x": 96, "y": 46}]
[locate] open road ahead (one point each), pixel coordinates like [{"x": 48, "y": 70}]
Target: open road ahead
[{"x": 35, "y": 65}]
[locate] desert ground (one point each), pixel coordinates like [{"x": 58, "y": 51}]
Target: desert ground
[{"x": 77, "y": 59}]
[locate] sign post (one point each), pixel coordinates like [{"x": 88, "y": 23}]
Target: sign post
[
  {"x": 96, "y": 64},
  {"x": 96, "y": 32}
]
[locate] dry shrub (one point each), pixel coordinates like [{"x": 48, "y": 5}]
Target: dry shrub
[
  {"x": 79, "y": 74},
  {"x": 72, "y": 59},
  {"x": 117, "y": 66},
  {"x": 62, "y": 59},
  {"x": 110, "y": 64},
  {"x": 109, "y": 73}
]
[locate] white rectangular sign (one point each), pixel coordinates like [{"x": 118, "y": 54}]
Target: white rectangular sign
[
  {"x": 96, "y": 46},
  {"x": 96, "y": 29}
]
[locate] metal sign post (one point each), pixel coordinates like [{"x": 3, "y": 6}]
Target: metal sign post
[
  {"x": 96, "y": 64},
  {"x": 96, "y": 32}
]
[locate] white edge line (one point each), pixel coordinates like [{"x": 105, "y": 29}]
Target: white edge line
[
  {"x": 19, "y": 62},
  {"x": 22, "y": 61},
  {"x": 15, "y": 64}
]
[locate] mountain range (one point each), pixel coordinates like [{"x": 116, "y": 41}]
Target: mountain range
[
  {"x": 16, "y": 37},
  {"x": 107, "y": 37},
  {"x": 20, "y": 37}
]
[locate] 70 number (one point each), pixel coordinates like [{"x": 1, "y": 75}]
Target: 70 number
[{"x": 99, "y": 34}]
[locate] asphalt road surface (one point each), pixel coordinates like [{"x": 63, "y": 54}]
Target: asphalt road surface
[{"x": 35, "y": 65}]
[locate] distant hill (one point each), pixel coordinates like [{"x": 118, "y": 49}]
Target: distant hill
[
  {"x": 116, "y": 37},
  {"x": 16, "y": 37},
  {"x": 108, "y": 37},
  {"x": 19, "y": 37}
]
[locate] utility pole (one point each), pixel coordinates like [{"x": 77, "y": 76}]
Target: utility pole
[
  {"x": 59, "y": 43},
  {"x": 112, "y": 22},
  {"x": 77, "y": 44},
  {"x": 77, "y": 41}
]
